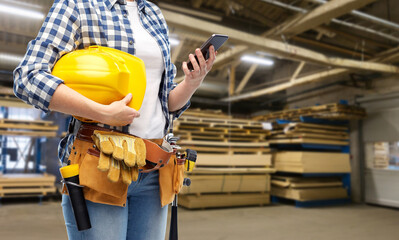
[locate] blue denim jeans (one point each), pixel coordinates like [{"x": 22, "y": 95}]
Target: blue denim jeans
[{"x": 143, "y": 218}]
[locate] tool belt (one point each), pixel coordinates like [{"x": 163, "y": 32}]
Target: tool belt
[{"x": 97, "y": 186}]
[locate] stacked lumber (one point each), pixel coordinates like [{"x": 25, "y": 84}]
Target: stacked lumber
[
  {"x": 327, "y": 111},
  {"x": 308, "y": 189},
  {"x": 307, "y": 150},
  {"x": 311, "y": 162},
  {"x": 24, "y": 185},
  {"x": 8, "y": 99},
  {"x": 34, "y": 128},
  {"x": 298, "y": 133},
  {"x": 233, "y": 163}
]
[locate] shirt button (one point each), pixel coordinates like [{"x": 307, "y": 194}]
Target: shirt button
[
  {"x": 131, "y": 42},
  {"x": 125, "y": 15}
]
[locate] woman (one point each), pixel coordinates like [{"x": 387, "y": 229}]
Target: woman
[{"x": 139, "y": 29}]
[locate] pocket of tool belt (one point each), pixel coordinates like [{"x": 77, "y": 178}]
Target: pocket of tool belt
[
  {"x": 89, "y": 176},
  {"x": 171, "y": 179}
]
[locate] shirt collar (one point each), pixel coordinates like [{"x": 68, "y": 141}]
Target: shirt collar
[{"x": 111, "y": 3}]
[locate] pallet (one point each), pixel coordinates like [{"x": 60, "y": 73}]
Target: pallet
[
  {"x": 35, "y": 128},
  {"x": 23, "y": 185},
  {"x": 223, "y": 200},
  {"x": 308, "y": 140},
  {"x": 330, "y": 111},
  {"x": 197, "y": 112}
]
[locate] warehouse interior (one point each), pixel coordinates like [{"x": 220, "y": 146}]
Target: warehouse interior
[{"x": 296, "y": 126}]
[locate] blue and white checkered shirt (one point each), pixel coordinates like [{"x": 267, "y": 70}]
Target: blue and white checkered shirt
[{"x": 77, "y": 24}]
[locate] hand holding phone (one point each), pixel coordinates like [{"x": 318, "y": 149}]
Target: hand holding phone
[{"x": 217, "y": 40}]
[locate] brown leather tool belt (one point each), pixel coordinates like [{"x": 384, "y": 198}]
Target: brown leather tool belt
[{"x": 157, "y": 156}]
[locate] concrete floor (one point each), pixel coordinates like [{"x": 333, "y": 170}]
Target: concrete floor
[{"x": 22, "y": 221}]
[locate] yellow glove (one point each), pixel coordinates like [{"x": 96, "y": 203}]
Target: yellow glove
[
  {"x": 120, "y": 154},
  {"x": 114, "y": 171}
]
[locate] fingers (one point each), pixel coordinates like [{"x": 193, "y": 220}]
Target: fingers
[
  {"x": 212, "y": 57},
  {"x": 127, "y": 99},
  {"x": 185, "y": 69},
  {"x": 194, "y": 63},
  {"x": 201, "y": 58}
]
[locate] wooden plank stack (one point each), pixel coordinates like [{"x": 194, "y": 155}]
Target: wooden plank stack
[
  {"x": 307, "y": 189},
  {"x": 327, "y": 111},
  {"x": 308, "y": 133},
  {"x": 233, "y": 164},
  {"x": 305, "y": 149},
  {"x": 34, "y": 128},
  {"x": 24, "y": 185},
  {"x": 311, "y": 162}
]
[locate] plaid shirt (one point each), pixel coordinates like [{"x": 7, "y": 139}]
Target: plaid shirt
[{"x": 77, "y": 24}]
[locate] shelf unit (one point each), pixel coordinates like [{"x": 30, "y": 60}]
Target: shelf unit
[{"x": 344, "y": 177}]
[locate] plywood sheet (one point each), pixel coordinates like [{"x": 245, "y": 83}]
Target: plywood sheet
[{"x": 223, "y": 200}]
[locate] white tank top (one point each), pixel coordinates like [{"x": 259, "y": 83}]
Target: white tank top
[{"x": 151, "y": 122}]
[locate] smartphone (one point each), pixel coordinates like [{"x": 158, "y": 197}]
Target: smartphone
[{"x": 216, "y": 40}]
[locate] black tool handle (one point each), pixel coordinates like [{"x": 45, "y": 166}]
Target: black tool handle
[
  {"x": 78, "y": 203},
  {"x": 173, "y": 232}
]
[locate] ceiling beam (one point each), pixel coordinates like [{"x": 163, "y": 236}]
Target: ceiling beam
[
  {"x": 277, "y": 48},
  {"x": 318, "y": 16},
  {"x": 246, "y": 78},
  {"x": 391, "y": 55}
]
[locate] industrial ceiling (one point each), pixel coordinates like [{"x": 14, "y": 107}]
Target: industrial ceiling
[{"x": 301, "y": 41}]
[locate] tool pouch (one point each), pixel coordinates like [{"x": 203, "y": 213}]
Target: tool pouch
[
  {"x": 97, "y": 186},
  {"x": 171, "y": 179}
]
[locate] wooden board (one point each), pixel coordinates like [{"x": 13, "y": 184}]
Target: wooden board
[
  {"x": 332, "y": 110},
  {"x": 28, "y": 133},
  {"x": 308, "y": 140},
  {"x": 227, "y": 184},
  {"x": 223, "y": 144},
  {"x": 231, "y": 170},
  {"x": 316, "y": 126},
  {"x": 309, "y": 194},
  {"x": 233, "y": 160},
  {"x": 312, "y": 135},
  {"x": 212, "y": 121},
  {"x": 305, "y": 182},
  {"x": 312, "y": 162},
  {"x": 227, "y": 150},
  {"x": 224, "y": 200},
  {"x": 14, "y": 185}
]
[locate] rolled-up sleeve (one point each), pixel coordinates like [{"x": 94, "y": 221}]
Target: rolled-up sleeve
[{"x": 59, "y": 34}]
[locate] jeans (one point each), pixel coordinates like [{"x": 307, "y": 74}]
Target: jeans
[{"x": 143, "y": 218}]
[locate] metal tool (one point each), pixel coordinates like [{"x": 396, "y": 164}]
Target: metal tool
[{"x": 189, "y": 157}]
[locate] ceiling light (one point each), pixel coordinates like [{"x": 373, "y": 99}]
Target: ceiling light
[
  {"x": 21, "y": 12},
  {"x": 174, "y": 41},
  {"x": 7, "y": 57},
  {"x": 257, "y": 60}
]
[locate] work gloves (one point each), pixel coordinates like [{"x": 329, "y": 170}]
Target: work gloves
[{"x": 120, "y": 154}]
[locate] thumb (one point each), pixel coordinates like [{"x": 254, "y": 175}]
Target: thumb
[{"x": 127, "y": 99}]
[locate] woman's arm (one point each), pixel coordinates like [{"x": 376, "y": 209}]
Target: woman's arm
[
  {"x": 67, "y": 100},
  {"x": 181, "y": 94}
]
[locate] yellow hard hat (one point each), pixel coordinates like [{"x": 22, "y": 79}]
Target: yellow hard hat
[{"x": 103, "y": 74}]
